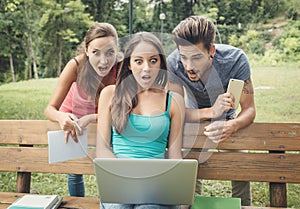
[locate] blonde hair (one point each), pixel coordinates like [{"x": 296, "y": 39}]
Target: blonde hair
[{"x": 195, "y": 30}]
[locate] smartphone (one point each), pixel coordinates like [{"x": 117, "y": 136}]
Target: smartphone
[{"x": 235, "y": 87}]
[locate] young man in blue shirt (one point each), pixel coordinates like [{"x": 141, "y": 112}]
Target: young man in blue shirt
[{"x": 200, "y": 70}]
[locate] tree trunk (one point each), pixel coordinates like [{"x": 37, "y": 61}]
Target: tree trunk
[
  {"x": 36, "y": 75},
  {"x": 32, "y": 60},
  {"x": 59, "y": 56},
  {"x": 11, "y": 62},
  {"x": 32, "y": 56}
]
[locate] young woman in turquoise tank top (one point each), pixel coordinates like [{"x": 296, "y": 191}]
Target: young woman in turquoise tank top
[{"x": 137, "y": 117}]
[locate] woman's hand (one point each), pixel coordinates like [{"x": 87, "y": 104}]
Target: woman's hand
[{"x": 67, "y": 122}]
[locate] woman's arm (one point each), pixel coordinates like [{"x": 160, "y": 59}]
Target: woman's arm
[
  {"x": 67, "y": 77},
  {"x": 87, "y": 119},
  {"x": 177, "y": 112},
  {"x": 104, "y": 124},
  {"x": 219, "y": 131},
  {"x": 65, "y": 80}
]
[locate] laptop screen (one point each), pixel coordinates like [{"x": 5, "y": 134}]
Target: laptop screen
[{"x": 146, "y": 181}]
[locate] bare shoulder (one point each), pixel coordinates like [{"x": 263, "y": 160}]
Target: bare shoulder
[
  {"x": 178, "y": 99},
  {"x": 69, "y": 72},
  {"x": 108, "y": 92},
  {"x": 73, "y": 63},
  {"x": 80, "y": 58},
  {"x": 175, "y": 87}
]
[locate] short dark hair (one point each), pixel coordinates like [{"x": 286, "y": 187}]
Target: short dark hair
[{"x": 194, "y": 30}]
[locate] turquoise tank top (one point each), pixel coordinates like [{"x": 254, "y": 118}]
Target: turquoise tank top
[{"x": 143, "y": 136}]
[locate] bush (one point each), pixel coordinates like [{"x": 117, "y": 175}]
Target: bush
[
  {"x": 227, "y": 31},
  {"x": 291, "y": 13},
  {"x": 288, "y": 43},
  {"x": 253, "y": 42}
]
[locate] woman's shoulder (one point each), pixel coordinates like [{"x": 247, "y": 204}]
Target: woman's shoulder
[
  {"x": 110, "y": 87},
  {"x": 177, "y": 98},
  {"x": 108, "y": 91},
  {"x": 175, "y": 95}
]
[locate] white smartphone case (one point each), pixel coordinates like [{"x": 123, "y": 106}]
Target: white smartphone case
[{"x": 235, "y": 87}]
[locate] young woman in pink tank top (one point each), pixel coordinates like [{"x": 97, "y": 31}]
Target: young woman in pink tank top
[{"x": 75, "y": 98}]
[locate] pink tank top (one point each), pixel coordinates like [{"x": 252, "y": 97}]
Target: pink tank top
[{"x": 78, "y": 103}]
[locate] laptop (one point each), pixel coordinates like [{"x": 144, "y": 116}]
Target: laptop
[{"x": 146, "y": 181}]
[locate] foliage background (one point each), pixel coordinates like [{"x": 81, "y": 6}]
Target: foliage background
[{"x": 38, "y": 37}]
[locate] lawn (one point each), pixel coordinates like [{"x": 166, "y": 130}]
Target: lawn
[{"x": 277, "y": 99}]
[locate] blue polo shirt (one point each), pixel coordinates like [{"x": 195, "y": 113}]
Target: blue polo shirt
[{"x": 228, "y": 62}]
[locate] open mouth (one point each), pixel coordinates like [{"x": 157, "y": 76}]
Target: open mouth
[
  {"x": 146, "y": 77},
  {"x": 192, "y": 74},
  {"x": 102, "y": 69}
]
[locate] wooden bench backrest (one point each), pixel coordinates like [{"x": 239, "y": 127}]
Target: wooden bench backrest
[{"x": 25, "y": 150}]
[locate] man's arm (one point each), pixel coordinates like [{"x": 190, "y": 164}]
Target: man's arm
[
  {"x": 221, "y": 130},
  {"x": 248, "y": 112},
  {"x": 198, "y": 115}
]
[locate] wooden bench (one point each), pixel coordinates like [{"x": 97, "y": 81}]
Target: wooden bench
[{"x": 273, "y": 157}]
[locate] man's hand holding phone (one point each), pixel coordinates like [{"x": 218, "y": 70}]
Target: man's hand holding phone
[{"x": 223, "y": 104}]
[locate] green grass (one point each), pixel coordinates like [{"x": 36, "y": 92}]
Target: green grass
[
  {"x": 25, "y": 99},
  {"x": 277, "y": 94},
  {"x": 277, "y": 99}
]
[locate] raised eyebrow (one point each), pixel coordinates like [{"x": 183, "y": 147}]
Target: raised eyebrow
[
  {"x": 154, "y": 56},
  {"x": 95, "y": 49},
  {"x": 193, "y": 56},
  {"x": 197, "y": 55},
  {"x": 110, "y": 49},
  {"x": 136, "y": 57}
]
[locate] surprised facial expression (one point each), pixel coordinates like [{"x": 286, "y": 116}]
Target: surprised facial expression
[
  {"x": 102, "y": 54},
  {"x": 145, "y": 64},
  {"x": 196, "y": 61}
]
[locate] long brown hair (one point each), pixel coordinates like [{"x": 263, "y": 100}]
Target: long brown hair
[
  {"x": 194, "y": 30},
  {"x": 88, "y": 79},
  {"x": 125, "y": 98}
]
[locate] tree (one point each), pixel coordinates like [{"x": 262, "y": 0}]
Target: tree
[
  {"x": 31, "y": 11},
  {"x": 63, "y": 25},
  {"x": 115, "y": 12},
  {"x": 9, "y": 33}
]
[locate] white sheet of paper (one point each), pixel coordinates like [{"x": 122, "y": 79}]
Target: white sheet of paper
[{"x": 59, "y": 150}]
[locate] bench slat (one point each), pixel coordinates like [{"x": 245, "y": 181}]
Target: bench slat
[
  {"x": 219, "y": 166},
  {"x": 33, "y": 132},
  {"x": 257, "y": 136},
  {"x": 259, "y": 167},
  {"x": 29, "y": 159}
]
